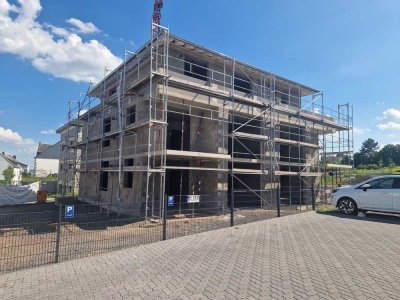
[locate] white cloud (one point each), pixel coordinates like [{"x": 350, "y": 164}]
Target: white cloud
[
  {"x": 392, "y": 114},
  {"x": 358, "y": 130},
  {"x": 12, "y": 137},
  {"x": 389, "y": 126},
  {"x": 83, "y": 27},
  {"x": 390, "y": 119},
  {"x": 13, "y": 143},
  {"x": 48, "y": 131},
  {"x": 57, "y": 51},
  {"x": 62, "y": 32},
  {"x": 390, "y": 136}
]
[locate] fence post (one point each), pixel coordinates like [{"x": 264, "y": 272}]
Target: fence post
[
  {"x": 313, "y": 198},
  {"x": 58, "y": 233},
  {"x": 278, "y": 201},
  {"x": 232, "y": 209},
  {"x": 164, "y": 233}
]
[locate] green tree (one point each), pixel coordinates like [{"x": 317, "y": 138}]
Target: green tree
[
  {"x": 8, "y": 174},
  {"x": 380, "y": 163},
  {"x": 357, "y": 159},
  {"x": 387, "y": 154},
  {"x": 396, "y": 155},
  {"x": 346, "y": 160},
  {"x": 391, "y": 165},
  {"x": 369, "y": 152}
]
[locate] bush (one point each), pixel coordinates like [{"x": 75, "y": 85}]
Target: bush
[
  {"x": 8, "y": 174},
  {"x": 372, "y": 167}
]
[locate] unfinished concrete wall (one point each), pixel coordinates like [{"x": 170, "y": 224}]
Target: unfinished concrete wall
[
  {"x": 207, "y": 130},
  {"x": 203, "y": 132}
]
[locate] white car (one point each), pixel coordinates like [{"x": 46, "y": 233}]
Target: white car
[{"x": 380, "y": 193}]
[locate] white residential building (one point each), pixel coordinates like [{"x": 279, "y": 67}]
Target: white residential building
[
  {"x": 47, "y": 160},
  {"x": 6, "y": 161}
]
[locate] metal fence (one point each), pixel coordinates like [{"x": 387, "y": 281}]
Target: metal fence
[{"x": 30, "y": 239}]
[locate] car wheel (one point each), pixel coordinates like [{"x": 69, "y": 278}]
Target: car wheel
[{"x": 347, "y": 206}]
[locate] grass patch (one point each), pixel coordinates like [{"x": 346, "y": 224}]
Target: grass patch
[
  {"x": 380, "y": 171},
  {"x": 347, "y": 177},
  {"x": 325, "y": 208}
]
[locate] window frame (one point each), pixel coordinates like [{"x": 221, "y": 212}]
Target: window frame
[
  {"x": 129, "y": 162},
  {"x": 396, "y": 183},
  {"x": 105, "y": 164},
  {"x": 103, "y": 182},
  {"x": 128, "y": 180},
  {"x": 107, "y": 125},
  {"x": 104, "y": 142},
  {"x": 131, "y": 117},
  {"x": 379, "y": 181}
]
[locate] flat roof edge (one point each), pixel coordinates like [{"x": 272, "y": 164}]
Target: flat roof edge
[{"x": 176, "y": 37}]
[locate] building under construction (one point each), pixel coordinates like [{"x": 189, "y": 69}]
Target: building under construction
[{"x": 179, "y": 120}]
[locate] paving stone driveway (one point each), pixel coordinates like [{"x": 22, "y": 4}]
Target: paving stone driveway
[{"x": 304, "y": 256}]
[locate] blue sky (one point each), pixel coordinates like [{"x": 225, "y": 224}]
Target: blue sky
[{"x": 49, "y": 50}]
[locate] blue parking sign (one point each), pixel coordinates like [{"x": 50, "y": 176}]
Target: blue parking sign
[
  {"x": 170, "y": 200},
  {"x": 69, "y": 211}
]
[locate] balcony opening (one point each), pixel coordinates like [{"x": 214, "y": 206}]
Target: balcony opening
[
  {"x": 242, "y": 84},
  {"x": 195, "y": 68},
  {"x": 177, "y": 181},
  {"x": 178, "y": 135}
]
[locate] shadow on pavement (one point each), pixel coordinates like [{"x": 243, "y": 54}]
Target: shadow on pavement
[{"x": 370, "y": 216}]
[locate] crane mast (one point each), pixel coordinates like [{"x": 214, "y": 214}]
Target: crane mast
[{"x": 158, "y": 4}]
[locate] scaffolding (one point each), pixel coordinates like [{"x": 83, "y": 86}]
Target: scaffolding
[
  {"x": 276, "y": 138},
  {"x": 110, "y": 106},
  {"x": 338, "y": 149}
]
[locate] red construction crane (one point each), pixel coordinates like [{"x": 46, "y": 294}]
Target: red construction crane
[{"x": 158, "y": 4}]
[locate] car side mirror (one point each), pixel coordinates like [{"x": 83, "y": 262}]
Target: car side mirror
[{"x": 365, "y": 187}]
